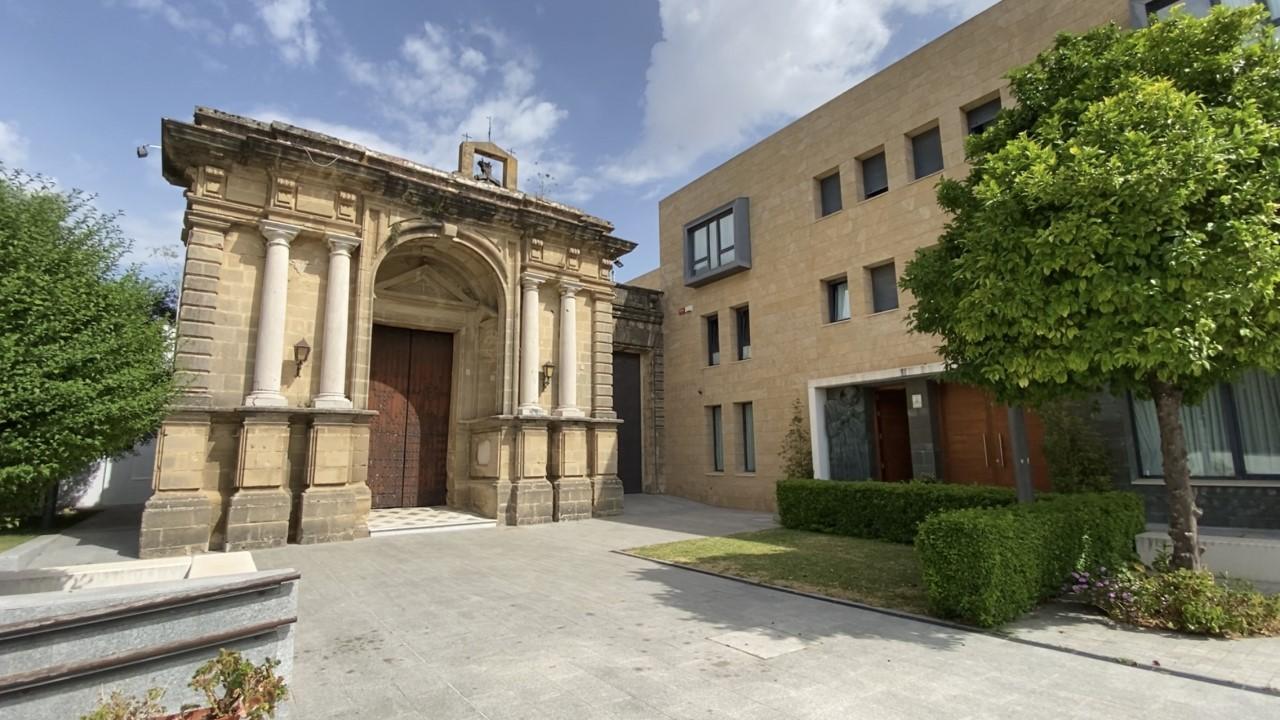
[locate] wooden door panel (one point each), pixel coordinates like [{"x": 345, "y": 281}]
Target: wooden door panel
[
  {"x": 966, "y": 452},
  {"x": 426, "y": 479},
  {"x": 893, "y": 436},
  {"x": 388, "y": 380},
  {"x": 626, "y": 402}
]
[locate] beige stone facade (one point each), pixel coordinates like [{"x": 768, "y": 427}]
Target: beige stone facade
[
  {"x": 798, "y": 350},
  {"x": 299, "y": 247}
]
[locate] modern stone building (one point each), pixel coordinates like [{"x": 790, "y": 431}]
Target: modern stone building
[
  {"x": 356, "y": 331},
  {"x": 779, "y": 271}
]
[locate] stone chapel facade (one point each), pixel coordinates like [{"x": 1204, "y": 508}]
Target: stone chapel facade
[{"x": 356, "y": 331}]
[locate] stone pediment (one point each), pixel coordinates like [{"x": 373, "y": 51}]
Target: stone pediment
[{"x": 432, "y": 284}]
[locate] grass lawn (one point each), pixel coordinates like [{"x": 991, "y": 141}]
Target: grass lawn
[
  {"x": 30, "y": 528},
  {"x": 867, "y": 571}
]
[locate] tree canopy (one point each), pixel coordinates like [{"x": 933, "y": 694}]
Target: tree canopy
[
  {"x": 84, "y": 349},
  {"x": 1119, "y": 224}
]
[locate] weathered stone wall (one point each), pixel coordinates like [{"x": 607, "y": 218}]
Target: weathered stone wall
[{"x": 637, "y": 327}]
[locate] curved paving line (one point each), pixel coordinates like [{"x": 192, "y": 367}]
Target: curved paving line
[{"x": 1269, "y": 691}]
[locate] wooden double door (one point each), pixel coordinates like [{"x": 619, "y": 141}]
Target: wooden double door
[
  {"x": 410, "y": 376},
  {"x": 976, "y": 446}
]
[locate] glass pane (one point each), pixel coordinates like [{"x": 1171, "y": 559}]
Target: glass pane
[
  {"x": 830, "y": 191},
  {"x": 744, "y": 334},
  {"x": 982, "y": 116},
  {"x": 839, "y": 300},
  {"x": 748, "y": 438},
  {"x": 701, "y": 251},
  {"x": 1257, "y": 396},
  {"x": 884, "y": 288},
  {"x": 713, "y": 340},
  {"x": 1205, "y": 427},
  {"x": 717, "y": 440},
  {"x": 875, "y": 177},
  {"x": 1164, "y": 8},
  {"x": 926, "y": 152}
]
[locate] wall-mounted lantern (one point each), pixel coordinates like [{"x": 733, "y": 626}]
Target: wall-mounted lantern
[
  {"x": 548, "y": 372},
  {"x": 301, "y": 351}
]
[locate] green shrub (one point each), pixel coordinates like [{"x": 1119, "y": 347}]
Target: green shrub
[
  {"x": 1191, "y": 601},
  {"x": 988, "y": 566},
  {"x": 1074, "y": 449},
  {"x": 878, "y": 510}
]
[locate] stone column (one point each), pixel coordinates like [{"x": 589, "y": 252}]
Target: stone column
[
  {"x": 269, "y": 354},
  {"x": 602, "y": 356},
  {"x": 333, "y": 356},
  {"x": 567, "y": 402},
  {"x": 530, "y": 372}
]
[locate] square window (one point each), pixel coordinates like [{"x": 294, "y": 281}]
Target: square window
[
  {"x": 829, "y": 194},
  {"x": 713, "y": 340},
  {"x": 742, "y": 318},
  {"x": 837, "y": 300},
  {"x": 884, "y": 288},
  {"x": 717, "y": 244},
  {"x": 875, "y": 176},
  {"x": 746, "y": 414},
  {"x": 980, "y": 118},
  {"x": 717, "y": 439},
  {"x": 926, "y": 152}
]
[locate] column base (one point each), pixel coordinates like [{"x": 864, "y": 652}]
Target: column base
[
  {"x": 327, "y": 515},
  {"x": 573, "y": 499},
  {"x": 265, "y": 398},
  {"x": 568, "y": 412},
  {"x": 531, "y": 410},
  {"x": 607, "y": 496},
  {"x": 175, "y": 524},
  {"x": 532, "y": 502},
  {"x": 330, "y": 402},
  {"x": 258, "y": 519}
]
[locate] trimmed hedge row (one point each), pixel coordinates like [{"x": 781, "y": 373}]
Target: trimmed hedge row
[
  {"x": 878, "y": 510},
  {"x": 989, "y": 566}
]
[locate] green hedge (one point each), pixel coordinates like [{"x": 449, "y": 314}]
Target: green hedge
[
  {"x": 988, "y": 566},
  {"x": 880, "y": 510}
]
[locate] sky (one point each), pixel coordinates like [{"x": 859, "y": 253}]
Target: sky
[{"x": 609, "y": 105}]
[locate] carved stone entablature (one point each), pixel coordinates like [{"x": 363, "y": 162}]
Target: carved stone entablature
[
  {"x": 212, "y": 181},
  {"x": 606, "y": 269},
  {"x": 285, "y": 193},
  {"x": 573, "y": 258},
  {"x": 344, "y": 205},
  {"x": 536, "y": 247}
]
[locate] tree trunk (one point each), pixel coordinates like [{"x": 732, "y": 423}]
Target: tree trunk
[
  {"x": 1183, "y": 514},
  {"x": 50, "y": 509}
]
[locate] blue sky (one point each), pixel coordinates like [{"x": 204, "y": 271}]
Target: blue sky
[{"x": 609, "y": 104}]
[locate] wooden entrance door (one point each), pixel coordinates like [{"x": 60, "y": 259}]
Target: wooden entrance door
[
  {"x": 893, "y": 436},
  {"x": 626, "y": 402},
  {"x": 409, "y": 384},
  {"x": 976, "y": 446}
]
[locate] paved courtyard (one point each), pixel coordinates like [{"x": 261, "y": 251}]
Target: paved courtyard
[{"x": 545, "y": 622}]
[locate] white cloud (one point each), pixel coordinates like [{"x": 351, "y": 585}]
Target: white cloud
[
  {"x": 289, "y": 23},
  {"x": 13, "y": 146},
  {"x": 724, "y": 70}
]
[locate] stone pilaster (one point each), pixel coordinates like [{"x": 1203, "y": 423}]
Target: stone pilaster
[
  {"x": 531, "y": 500},
  {"x": 602, "y": 455},
  {"x": 568, "y": 471},
  {"x": 328, "y": 509},
  {"x": 258, "y": 514},
  {"x": 602, "y": 356},
  {"x": 193, "y": 350},
  {"x": 178, "y": 517},
  {"x": 333, "y": 356},
  {"x": 567, "y": 402},
  {"x": 269, "y": 351}
]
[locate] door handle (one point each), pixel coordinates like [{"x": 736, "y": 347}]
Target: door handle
[
  {"x": 986, "y": 459},
  {"x": 1000, "y": 447}
]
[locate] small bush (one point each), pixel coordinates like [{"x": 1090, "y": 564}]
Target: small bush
[
  {"x": 878, "y": 510},
  {"x": 1184, "y": 600},
  {"x": 1074, "y": 449},
  {"x": 988, "y": 566},
  {"x": 796, "y": 453}
]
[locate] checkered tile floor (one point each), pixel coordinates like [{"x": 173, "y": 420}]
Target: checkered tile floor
[{"x": 397, "y": 521}]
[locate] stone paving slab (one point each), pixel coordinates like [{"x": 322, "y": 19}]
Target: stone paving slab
[{"x": 546, "y": 622}]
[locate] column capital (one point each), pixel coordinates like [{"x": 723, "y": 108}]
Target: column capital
[
  {"x": 529, "y": 280},
  {"x": 569, "y": 288},
  {"x": 278, "y": 233},
  {"x": 341, "y": 244}
]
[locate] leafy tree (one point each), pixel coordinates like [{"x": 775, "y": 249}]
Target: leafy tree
[
  {"x": 1118, "y": 229},
  {"x": 796, "y": 453},
  {"x": 86, "y": 368}
]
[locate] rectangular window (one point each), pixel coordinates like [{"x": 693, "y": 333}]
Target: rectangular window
[
  {"x": 875, "y": 176},
  {"x": 981, "y": 117},
  {"x": 712, "y": 243},
  {"x": 717, "y": 439},
  {"x": 829, "y": 194},
  {"x": 926, "y": 152},
  {"x": 838, "y": 300},
  {"x": 748, "y": 437},
  {"x": 1257, "y": 405},
  {"x": 713, "y": 339},
  {"x": 1164, "y": 8},
  {"x": 884, "y": 288},
  {"x": 742, "y": 317}
]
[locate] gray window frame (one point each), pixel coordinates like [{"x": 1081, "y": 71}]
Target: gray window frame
[
  {"x": 831, "y": 286},
  {"x": 717, "y": 438},
  {"x": 1141, "y": 10},
  {"x": 740, "y": 209},
  {"x": 977, "y": 129},
  {"x": 713, "y": 339},
  {"x": 742, "y": 332},
  {"x": 875, "y": 296},
  {"x": 825, "y": 184},
  {"x": 747, "y": 424},
  {"x": 916, "y": 171},
  {"x": 862, "y": 169}
]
